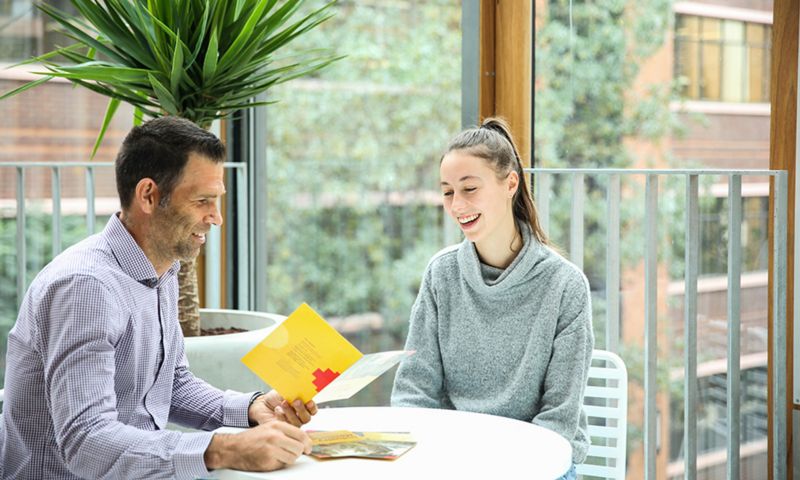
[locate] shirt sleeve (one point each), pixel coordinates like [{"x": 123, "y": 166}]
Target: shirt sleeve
[
  {"x": 79, "y": 325},
  {"x": 567, "y": 372},
  {"x": 196, "y": 404},
  {"x": 419, "y": 381}
]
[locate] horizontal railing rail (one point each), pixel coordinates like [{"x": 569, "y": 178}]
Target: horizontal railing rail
[{"x": 24, "y": 170}]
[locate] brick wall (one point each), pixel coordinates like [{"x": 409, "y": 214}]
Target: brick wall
[{"x": 57, "y": 122}]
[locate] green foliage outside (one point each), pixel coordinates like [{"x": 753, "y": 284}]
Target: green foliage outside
[
  {"x": 587, "y": 58},
  {"x": 353, "y": 157},
  {"x": 587, "y": 109},
  {"x": 353, "y": 160}
]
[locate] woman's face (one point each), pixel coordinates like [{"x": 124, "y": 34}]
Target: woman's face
[{"x": 475, "y": 198}]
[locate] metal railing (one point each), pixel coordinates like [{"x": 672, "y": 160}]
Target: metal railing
[
  {"x": 213, "y": 246},
  {"x": 543, "y": 180},
  {"x": 613, "y": 265}
]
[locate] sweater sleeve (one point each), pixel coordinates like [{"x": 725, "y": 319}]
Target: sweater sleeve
[
  {"x": 567, "y": 372},
  {"x": 419, "y": 379}
]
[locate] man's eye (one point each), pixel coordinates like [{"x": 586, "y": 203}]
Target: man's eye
[
  {"x": 470, "y": 189},
  {"x": 447, "y": 194}
]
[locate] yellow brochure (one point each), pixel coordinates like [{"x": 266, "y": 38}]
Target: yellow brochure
[
  {"x": 304, "y": 355},
  {"x": 344, "y": 443}
]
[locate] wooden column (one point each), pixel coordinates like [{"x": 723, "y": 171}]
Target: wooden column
[
  {"x": 783, "y": 141},
  {"x": 506, "y": 72}
]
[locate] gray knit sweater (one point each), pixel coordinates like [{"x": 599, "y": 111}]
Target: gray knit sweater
[{"x": 515, "y": 342}]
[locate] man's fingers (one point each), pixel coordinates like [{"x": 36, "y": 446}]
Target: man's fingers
[
  {"x": 299, "y": 436},
  {"x": 302, "y": 414},
  {"x": 280, "y": 414},
  {"x": 290, "y": 416},
  {"x": 292, "y": 443},
  {"x": 287, "y": 442}
]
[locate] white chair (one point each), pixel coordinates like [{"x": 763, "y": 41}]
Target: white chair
[{"x": 606, "y": 406}]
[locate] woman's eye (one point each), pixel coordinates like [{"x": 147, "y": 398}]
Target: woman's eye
[
  {"x": 447, "y": 194},
  {"x": 470, "y": 189}
]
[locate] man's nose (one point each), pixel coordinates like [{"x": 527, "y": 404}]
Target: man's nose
[{"x": 215, "y": 217}]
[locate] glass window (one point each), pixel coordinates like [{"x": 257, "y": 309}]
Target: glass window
[
  {"x": 688, "y": 57},
  {"x": 354, "y": 210},
  {"x": 714, "y": 225},
  {"x": 55, "y": 122},
  {"x": 609, "y": 92},
  {"x": 722, "y": 60},
  {"x": 25, "y": 31},
  {"x": 733, "y": 61},
  {"x": 710, "y": 72}
]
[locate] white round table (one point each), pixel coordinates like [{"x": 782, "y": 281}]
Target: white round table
[{"x": 451, "y": 443}]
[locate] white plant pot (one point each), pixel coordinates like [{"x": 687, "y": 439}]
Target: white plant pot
[{"x": 217, "y": 358}]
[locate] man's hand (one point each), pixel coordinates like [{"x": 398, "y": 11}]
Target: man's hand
[
  {"x": 264, "y": 448},
  {"x": 271, "y": 406}
]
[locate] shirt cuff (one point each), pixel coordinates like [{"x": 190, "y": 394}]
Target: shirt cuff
[
  {"x": 234, "y": 409},
  {"x": 188, "y": 459}
]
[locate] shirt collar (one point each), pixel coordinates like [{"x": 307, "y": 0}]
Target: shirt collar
[{"x": 130, "y": 256}]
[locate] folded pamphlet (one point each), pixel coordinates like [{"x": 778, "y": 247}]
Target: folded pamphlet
[
  {"x": 344, "y": 443},
  {"x": 304, "y": 357}
]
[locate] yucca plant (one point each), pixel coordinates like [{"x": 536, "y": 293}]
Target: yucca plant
[{"x": 197, "y": 59}]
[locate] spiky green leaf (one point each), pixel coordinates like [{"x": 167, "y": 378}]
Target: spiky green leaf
[{"x": 113, "y": 104}]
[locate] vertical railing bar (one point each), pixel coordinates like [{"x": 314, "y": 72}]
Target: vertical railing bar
[
  {"x": 650, "y": 342},
  {"x": 692, "y": 260},
  {"x": 90, "y": 200},
  {"x": 242, "y": 238},
  {"x": 779, "y": 417},
  {"x": 542, "y": 193},
  {"x": 21, "y": 250},
  {"x": 576, "y": 221},
  {"x": 612, "y": 264},
  {"x": 734, "y": 321},
  {"x": 56, "y": 194}
]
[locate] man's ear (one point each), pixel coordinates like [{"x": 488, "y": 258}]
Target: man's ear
[{"x": 146, "y": 195}]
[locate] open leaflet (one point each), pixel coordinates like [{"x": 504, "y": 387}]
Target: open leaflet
[
  {"x": 304, "y": 357},
  {"x": 344, "y": 443}
]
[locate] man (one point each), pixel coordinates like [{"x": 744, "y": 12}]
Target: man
[{"x": 95, "y": 361}]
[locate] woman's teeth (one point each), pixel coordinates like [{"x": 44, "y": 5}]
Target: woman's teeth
[{"x": 468, "y": 219}]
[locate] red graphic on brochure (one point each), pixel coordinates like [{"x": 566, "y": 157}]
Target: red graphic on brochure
[{"x": 322, "y": 379}]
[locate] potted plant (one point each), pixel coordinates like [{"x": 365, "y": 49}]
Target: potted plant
[{"x": 197, "y": 59}]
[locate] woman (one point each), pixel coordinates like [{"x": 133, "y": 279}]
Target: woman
[{"x": 502, "y": 323}]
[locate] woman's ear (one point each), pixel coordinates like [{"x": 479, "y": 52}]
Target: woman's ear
[
  {"x": 146, "y": 195},
  {"x": 512, "y": 183}
]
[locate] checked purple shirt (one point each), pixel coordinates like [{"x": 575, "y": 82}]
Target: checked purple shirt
[{"x": 96, "y": 367}]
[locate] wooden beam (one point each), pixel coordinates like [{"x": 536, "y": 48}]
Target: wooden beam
[
  {"x": 514, "y": 82},
  {"x": 783, "y": 142},
  {"x": 506, "y": 70},
  {"x": 486, "y": 100}
]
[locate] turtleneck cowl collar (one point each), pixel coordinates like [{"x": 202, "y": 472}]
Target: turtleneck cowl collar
[{"x": 517, "y": 273}]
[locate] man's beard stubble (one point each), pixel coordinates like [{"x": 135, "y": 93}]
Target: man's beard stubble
[{"x": 173, "y": 240}]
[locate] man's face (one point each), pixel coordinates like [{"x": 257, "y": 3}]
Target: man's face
[{"x": 179, "y": 228}]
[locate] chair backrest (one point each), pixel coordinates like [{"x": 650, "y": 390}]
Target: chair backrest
[{"x": 606, "y": 406}]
